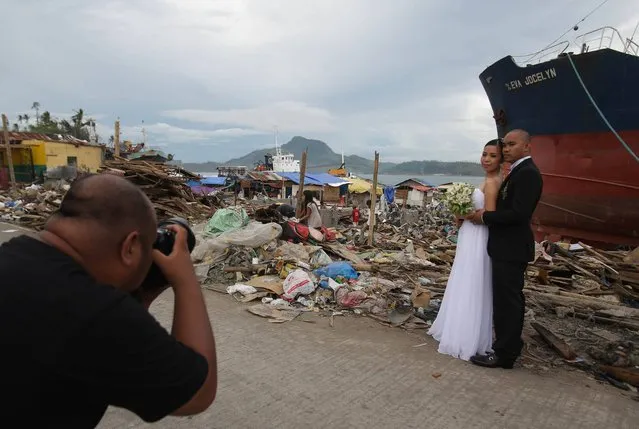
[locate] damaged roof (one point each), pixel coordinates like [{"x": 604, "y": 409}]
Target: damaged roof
[{"x": 60, "y": 138}]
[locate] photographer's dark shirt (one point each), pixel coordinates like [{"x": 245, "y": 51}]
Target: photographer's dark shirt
[{"x": 70, "y": 347}]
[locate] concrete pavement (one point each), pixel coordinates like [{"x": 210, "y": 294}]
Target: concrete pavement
[{"x": 360, "y": 374}]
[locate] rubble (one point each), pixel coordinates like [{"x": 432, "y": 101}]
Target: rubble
[
  {"x": 582, "y": 303},
  {"x": 32, "y": 205},
  {"x": 166, "y": 187}
]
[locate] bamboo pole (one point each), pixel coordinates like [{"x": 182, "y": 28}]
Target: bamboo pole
[
  {"x": 300, "y": 190},
  {"x": 116, "y": 139},
  {"x": 5, "y": 130},
  {"x": 371, "y": 216}
]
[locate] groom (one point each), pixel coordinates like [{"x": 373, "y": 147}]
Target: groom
[{"x": 511, "y": 246}]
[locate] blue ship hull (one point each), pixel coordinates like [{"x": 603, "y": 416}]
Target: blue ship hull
[{"x": 591, "y": 181}]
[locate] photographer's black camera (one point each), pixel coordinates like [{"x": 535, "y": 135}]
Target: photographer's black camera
[{"x": 164, "y": 241}]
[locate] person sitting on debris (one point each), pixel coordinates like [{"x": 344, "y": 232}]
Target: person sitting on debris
[
  {"x": 311, "y": 216},
  {"x": 74, "y": 338}
]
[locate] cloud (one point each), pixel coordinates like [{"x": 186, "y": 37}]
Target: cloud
[
  {"x": 163, "y": 133},
  {"x": 395, "y": 76},
  {"x": 287, "y": 116}
]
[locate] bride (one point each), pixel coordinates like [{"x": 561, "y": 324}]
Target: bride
[{"x": 464, "y": 325}]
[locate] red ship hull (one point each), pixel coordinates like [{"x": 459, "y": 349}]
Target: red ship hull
[{"x": 591, "y": 187}]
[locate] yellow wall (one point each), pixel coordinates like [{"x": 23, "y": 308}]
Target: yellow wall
[{"x": 55, "y": 154}]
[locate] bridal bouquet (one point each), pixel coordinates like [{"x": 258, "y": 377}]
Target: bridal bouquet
[{"x": 458, "y": 199}]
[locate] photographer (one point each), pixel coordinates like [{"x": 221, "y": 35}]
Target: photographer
[{"x": 74, "y": 338}]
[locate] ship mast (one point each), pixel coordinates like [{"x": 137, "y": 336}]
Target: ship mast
[{"x": 278, "y": 151}]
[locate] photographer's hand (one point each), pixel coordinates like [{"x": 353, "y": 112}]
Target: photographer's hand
[
  {"x": 177, "y": 266},
  {"x": 191, "y": 324}
]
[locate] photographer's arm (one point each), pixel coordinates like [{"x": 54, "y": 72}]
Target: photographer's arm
[{"x": 191, "y": 324}]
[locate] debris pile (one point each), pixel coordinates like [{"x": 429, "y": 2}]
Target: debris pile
[
  {"x": 582, "y": 303},
  {"x": 31, "y": 206},
  {"x": 166, "y": 188}
]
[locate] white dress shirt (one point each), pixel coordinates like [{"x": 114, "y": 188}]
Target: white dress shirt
[{"x": 519, "y": 161}]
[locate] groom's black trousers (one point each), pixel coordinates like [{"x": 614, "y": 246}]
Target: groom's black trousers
[{"x": 508, "y": 307}]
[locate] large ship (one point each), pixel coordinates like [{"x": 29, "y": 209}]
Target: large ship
[{"x": 580, "y": 102}]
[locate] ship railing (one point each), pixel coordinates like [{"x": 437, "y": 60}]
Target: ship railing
[
  {"x": 605, "y": 38},
  {"x": 540, "y": 56},
  {"x": 601, "y": 38}
]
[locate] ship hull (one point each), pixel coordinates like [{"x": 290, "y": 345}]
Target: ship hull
[{"x": 591, "y": 181}]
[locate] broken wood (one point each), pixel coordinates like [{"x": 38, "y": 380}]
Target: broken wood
[
  {"x": 555, "y": 342},
  {"x": 627, "y": 375}
]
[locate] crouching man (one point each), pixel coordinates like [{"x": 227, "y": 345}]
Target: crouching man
[{"x": 74, "y": 340}]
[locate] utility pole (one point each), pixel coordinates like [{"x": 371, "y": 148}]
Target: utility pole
[
  {"x": 116, "y": 139},
  {"x": 5, "y": 130},
  {"x": 300, "y": 190},
  {"x": 371, "y": 216}
]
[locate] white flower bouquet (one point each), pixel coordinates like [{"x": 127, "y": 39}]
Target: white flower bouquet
[{"x": 458, "y": 199}]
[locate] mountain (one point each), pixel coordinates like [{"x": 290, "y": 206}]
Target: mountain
[{"x": 321, "y": 157}]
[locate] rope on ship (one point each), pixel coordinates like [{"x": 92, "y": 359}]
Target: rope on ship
[{"x": 592, "y": 100}]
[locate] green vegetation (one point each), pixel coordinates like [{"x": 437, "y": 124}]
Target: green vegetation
[{"x": 78, "y": 126}]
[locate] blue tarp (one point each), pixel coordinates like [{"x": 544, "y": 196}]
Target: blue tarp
[
  {"x": 295, "y": 178},
  {"x": 389, "y": 193},
  {"x": 328, "y": 179},
  {"x": 318, "y": 179},
  {"x": 207, "y": 181},
  {"x": 214, "y": 180}
]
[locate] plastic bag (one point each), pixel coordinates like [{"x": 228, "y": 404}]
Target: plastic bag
[
  {"x": 297, "y": 283},
  {"x": 320, "y": 258},
  {"x": 243, "y": 289},
  {"x": 292, "y": 252},
  {"x": 255, "y": 234},
  {"x": 226, "y": 220},
  {"x": 337, "y": 269},
  {"x": 350, "y": 299}
]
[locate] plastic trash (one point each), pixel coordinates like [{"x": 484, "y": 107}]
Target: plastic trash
[
  {"x": 337, "y": 269},
  {"x": 320, "y": 258},
  {"x": 243, "y": 289},
  {"x": 350, "y": 299},
  {"x": 225, "y": 220},
  {"x": 297, "y": 283}
]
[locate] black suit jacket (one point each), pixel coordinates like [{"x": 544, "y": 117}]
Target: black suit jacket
[{"x": 510, "y": 236}]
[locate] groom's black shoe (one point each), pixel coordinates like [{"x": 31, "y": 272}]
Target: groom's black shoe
[{"x": 491, "y": 360}]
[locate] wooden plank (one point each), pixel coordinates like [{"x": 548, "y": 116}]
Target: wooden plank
[
  {"x": 5, "y": 131},
  {"x": 628, "y": 375},
  {"x": 555, "y": 342},
  {"x": 372, "y": 216}
]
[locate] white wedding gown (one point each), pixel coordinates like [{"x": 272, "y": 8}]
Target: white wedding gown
[{"x": 464, "y": 325}]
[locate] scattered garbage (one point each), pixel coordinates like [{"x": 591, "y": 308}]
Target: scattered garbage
[{"x": 582, "y": 302}]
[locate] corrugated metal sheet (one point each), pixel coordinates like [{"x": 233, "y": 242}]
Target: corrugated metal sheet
[
  {"x": 419, "y": 184},
  {"x": 264, "y": 176}
]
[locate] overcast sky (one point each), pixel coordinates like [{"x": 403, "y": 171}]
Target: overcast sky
[{"x": 210, "y": 78}]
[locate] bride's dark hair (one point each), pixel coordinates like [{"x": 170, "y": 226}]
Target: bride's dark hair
[{"x": 499, "y": 144}]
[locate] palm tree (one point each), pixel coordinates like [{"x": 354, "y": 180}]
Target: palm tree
[
  {"x": 36, "y": 106},
  {"x": 16, "y": 127},
  {"x": 77, "y": 125}
]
